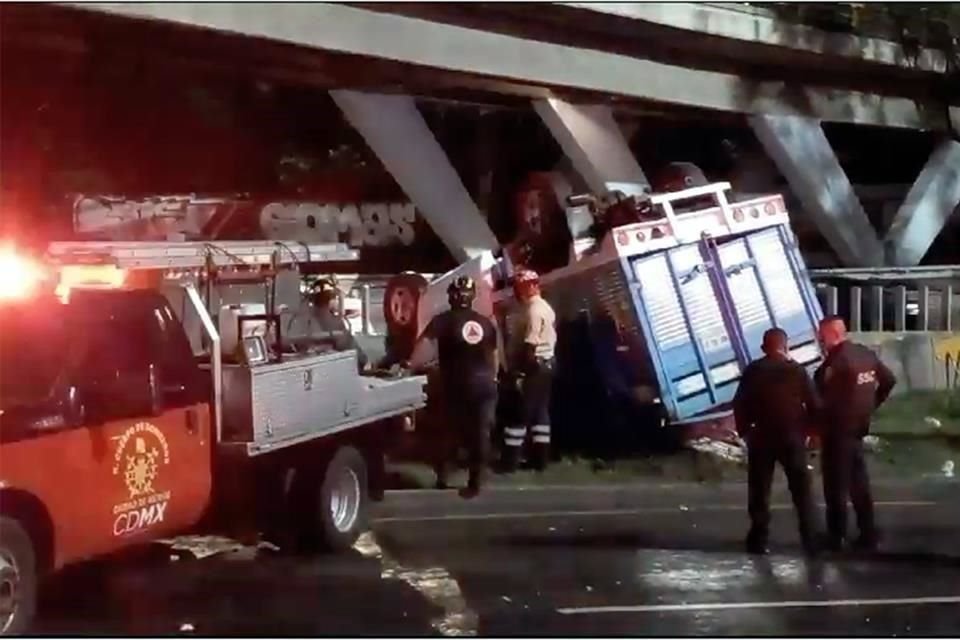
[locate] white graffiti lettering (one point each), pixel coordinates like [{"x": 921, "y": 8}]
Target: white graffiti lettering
[
  {"x": 132, "y": 521},
  {"x": 369, "y": 224},
  {"x": 157, "y": 216}
]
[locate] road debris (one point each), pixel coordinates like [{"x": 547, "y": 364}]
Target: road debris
[
  {"x": 201, "y": 546},
  {"x": 728, "y": 451}
]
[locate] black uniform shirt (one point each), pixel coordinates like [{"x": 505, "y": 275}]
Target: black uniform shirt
[
  {"x": 466, "y": 341},
  {"x": 775, "y": 400},
  {"x": 853, "y": 382}
]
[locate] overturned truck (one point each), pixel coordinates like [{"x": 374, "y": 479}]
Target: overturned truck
[{"x": 661, "y": 304}]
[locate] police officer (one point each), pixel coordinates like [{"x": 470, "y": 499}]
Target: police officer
[
  {"x": 315, "y": 321},
  {"x": 772, "y": 407},
  {"x": 466, "y": 345},
  {"x": 852, "y": 382},
  {"x": 531, "y": 365}
]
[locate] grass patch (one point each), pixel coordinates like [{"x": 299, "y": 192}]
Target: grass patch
[
  {"x": 911, "y": 446},
  {"x": 685, "y": 466},
  {"x": 918, "y": 413}
]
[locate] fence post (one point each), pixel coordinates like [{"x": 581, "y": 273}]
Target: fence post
[
  {"x": 924, "y": 302},
  {"x": 878, "y": 308},
  {"x": 832, "y": 302},
  {"x": 365, "y": 310},
  {"x": 856, "y": 309},
  {"x": 900, "y": 309},
  {"x": 948, "y": 308}
]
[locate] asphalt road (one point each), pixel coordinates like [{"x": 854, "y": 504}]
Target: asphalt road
[{"x": 650, "y": 560}]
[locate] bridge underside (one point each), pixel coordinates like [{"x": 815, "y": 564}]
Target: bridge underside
[{"x": 380, "y": 69}]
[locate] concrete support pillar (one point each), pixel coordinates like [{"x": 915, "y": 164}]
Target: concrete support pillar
[
  {"x": 803, "y": 154},
  {"x": 394, "y": 129},
  {"x": 593, "y": 141},
  {"x": 930, "y": 202}
]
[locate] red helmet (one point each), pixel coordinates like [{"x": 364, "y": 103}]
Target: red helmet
[
  {"x": 526, "y": 284},
  {"x": 678, "y": 176}
]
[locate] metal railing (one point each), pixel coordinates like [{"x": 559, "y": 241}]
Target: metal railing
[{"x": 894, "y": 299}]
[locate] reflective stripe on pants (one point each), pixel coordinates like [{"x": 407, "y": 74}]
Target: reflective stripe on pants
[
  {"x": 514, "y": 436},
  {"x": 541, "y": 433}
]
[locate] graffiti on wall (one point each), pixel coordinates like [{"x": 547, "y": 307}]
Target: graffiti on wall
[
  {"x": 948, "y": 352},
  {"x": 373, "y": 224},
  {"x": 152, "y": 218}
]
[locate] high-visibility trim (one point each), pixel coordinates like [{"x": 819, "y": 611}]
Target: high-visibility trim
[
  {"x": 541, "y": 428},
  {"x": 541, "y": 439},
  {"x": 515, "y": 432},
  {"x": 513, "y": 442}
]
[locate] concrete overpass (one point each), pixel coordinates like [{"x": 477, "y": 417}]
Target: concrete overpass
[{"x": 580, "y": 63}]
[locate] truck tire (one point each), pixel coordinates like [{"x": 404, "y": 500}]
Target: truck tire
[
  {"x": 18, "y": 578},
  {"x": 401, "y": 301},
  {"x": 337, "y": 510}
]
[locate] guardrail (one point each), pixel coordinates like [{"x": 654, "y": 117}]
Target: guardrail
[{"x": 892, "y": 299}]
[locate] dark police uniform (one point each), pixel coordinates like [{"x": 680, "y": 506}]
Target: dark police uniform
[
  {"x": 773, "y": 405},
  {"x": 466, "y": 341},
  {"x": 852, "y": 382}
]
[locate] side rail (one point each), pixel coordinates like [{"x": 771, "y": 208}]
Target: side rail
[{"x": 902, "y": 300}]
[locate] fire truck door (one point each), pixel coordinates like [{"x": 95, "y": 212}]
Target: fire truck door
[{"x": 150, "y": 428}]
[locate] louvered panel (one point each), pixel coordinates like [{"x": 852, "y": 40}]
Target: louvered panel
[
  {"x": 662, "y": 302},
  {"x": 702, "y": 307},
  {"x": 774, "y": 268},
  {"x": 611, "y": 294},
  {"x": 744, "y": 287}
]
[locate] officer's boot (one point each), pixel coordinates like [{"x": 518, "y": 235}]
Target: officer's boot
[
  {"x": 756, "y": 542},
  {"x": 472, "y": 490},
  {"x": 513, "y": 449}
]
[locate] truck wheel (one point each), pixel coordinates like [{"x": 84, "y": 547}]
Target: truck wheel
[
  {"x": 18, "y": 578},
  {"x": 338, "y": 510},
  {"x": 402, "y": 299}
]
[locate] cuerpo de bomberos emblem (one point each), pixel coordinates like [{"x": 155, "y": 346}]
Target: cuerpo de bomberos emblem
[{"x": 142, "y": 452}]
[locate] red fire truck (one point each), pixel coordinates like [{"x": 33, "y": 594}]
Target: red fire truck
[{"x": 144, "y": 392}]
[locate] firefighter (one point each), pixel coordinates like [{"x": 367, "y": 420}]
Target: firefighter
[
  {"x": 773, "y": 405},
  {"x": 531, "y": 367},
  {"x": 317, "y": 321},
  {"x": 852, "y": 382},
  {"x": 466, "y": 345}
]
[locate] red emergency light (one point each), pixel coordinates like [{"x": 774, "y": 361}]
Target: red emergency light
[{"x": 20, "y": 276}]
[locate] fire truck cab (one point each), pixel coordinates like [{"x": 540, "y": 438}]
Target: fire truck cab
[{"x": 121, "y": 425}]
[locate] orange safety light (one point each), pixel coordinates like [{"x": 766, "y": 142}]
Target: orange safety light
[
  {"x": 19, "y": 275},
  {"x": 100, "y": 276}
]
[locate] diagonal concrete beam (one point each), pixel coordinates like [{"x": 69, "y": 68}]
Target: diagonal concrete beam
[
  {"x": 803, "y": 154},
  {"x": 934, "y": 197},
  {"x": 593, "y": 141},
  {"x": 394, "y": 129}
]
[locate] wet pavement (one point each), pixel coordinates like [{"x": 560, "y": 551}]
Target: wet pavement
[{"x": 649, "y": 560}]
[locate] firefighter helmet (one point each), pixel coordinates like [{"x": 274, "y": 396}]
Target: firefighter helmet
[
  {"x": 462, "y": 292},
  {"x": 526, "y": 284},
  {"x": 323, "y": 291}
]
